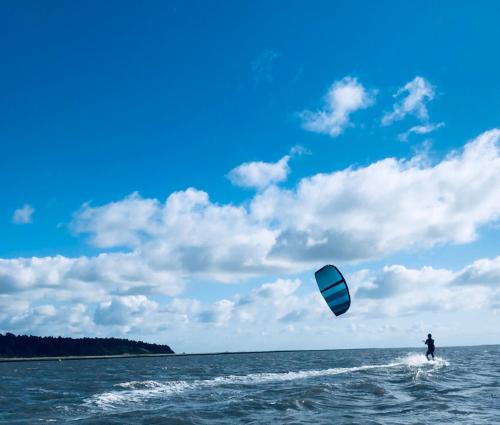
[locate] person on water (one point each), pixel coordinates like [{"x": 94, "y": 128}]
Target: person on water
[{"x": 430, "y": 346}]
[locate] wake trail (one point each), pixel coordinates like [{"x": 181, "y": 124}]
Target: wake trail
[{"x": 139, "y": 391}]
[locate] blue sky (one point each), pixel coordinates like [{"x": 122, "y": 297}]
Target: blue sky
[{"x": 176, "y": 172}]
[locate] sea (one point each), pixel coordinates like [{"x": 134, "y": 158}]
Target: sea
[{"x": 365, "y": 386}]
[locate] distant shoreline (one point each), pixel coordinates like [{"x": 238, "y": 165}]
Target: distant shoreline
[
  {"x": 130, "y": 356},
  {"x": 41, "y": 348},
  {"x": 61, "y": 358}
]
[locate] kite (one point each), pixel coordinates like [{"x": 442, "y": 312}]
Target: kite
[{"x": 333, "y": 287}]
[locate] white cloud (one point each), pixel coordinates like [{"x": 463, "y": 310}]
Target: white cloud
[
  {"x": 89, "y": 277},
  {"x": 219, "y": 313},
  {"x": 420, "y": 129},
  {"x": 280, "y": 301},
  {"x": 23, "y": 316},
  {"x": 271, "y": 304},
  {"x": 260, "y": 174},
  {"x": 45, "y": 310},
  {"x": 280, "y": 309},
  {"x": 393, "y": 291},
  {"x": 127, "y": 311},
  {"x": 348, "y": 215},
  {"x": 12, "y": 309},
  {"x": 484, "y": 272},
  {"x": 390, "y": 292},
  {"x": 386, "y": 207},
  {"x": 188, "y": 234},
  {"x": 399, "y": 291},
  {"x": 23, "y": 215},
  {"x": 118, "y": 223},
  {"x": 343, "y": 98},
  {"x": 416, "y": 94}
]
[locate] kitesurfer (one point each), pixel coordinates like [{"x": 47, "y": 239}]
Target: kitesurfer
[{"x": 430, "y": 347}]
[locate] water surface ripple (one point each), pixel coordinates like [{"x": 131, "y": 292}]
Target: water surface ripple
[{"x": 372, "y": 386}]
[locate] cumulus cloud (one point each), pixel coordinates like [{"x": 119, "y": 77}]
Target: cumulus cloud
[
  {"x": 413, "y": 97},
  {"x": 90, "y": 277},
  {"x": 127, "y": 311},
  {"x": 259, "y": 174},
  {"x": 45, "y": 310},
  {"x": 420, "y": 129},
  {"x": 118, "y": 223},
  {"x": 21, "y": 315},
  {"x": 392, "y": 291},
  {"x": 348, "y": 216},
  {"x": 219, "y": 313},
  {"x": 484, "y": 272},
  {"x": 280, "y": 301},
  {"x": 188, "y": 233},
  {"x": 273, "y": 303},
  {"x": 23, "y": 215},
  {"x": 388, "y": 206},
  {"x": 280, "y": 307},
  {"x": 397, "y": 290},
  {"x": 343, "y": 98},
  {"x": 287, "y": 307}
]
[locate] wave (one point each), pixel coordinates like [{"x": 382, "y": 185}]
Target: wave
[
  {"x": 418, "y": 360},
  {"x": 139, "y": 391}
]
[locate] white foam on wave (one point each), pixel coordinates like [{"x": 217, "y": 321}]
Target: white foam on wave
[
  {"x": 421, "y": 366},
  {"x": 419, "y": 360},
  {"x": 139, "y": 391},
  {"x": 138, "y": 384}
]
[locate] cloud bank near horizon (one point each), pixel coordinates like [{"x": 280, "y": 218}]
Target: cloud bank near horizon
[{"x": 290, "y": 304}]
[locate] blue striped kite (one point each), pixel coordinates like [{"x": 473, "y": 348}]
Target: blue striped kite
[{"x": 334, "y": 289}]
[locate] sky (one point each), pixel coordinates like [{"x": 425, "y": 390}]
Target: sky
[{"x": 176, "y": 172}]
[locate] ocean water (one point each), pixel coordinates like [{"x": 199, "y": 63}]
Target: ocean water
[{"x": 372, "y": 386}]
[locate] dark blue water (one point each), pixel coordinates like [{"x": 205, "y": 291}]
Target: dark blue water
[{"x": 390, "y": 386}]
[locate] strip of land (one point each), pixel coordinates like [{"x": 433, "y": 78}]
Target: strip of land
[
  {"x": 61, "y": 358},
  {"x": 130, "y": 356},
  {"x": 29, "y": 347}
]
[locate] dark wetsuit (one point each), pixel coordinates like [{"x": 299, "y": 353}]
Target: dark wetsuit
[{"x": 430, "y": 347}]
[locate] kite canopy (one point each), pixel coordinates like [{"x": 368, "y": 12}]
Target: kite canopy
[{"x": 334, "y": 289}]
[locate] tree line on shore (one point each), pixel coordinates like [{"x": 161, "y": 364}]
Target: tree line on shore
[{"x": 48, "y": 346}]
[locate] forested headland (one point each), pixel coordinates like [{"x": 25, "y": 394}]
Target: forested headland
[{"x": 48, "y": 346}]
